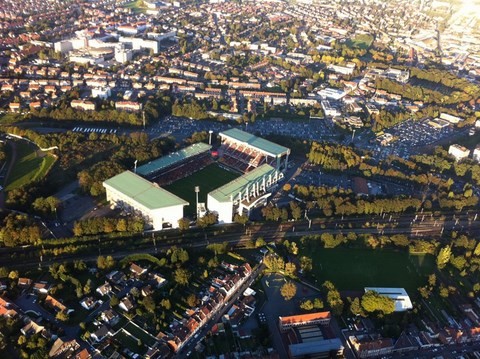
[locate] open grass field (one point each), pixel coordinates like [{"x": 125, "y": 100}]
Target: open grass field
[
  {"x": 29, "y": 166},
  {"x": 137, "y": 6},
  {"x": 209, "y": 178},
  {"x": 356, "y": 268},
  {"x": 362, "y": 41}
]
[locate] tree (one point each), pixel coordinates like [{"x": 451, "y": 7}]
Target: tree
[
  {"x": 183, "y": 224},
  {"x": 432, "y": 279},
  {"x": 114, "y": 301},
  {"x": 105, "y": 262},
  {"x": 62, "y": 316},
  {"x": 334, "y": 299},
  {"x": 306, "y": 264},
  {"x": 306, "y": 305},
  {"x": 444, "y": 257},
  {"x": 260, "y": 242},
  {"x": 240, "y": 219},
  {"x": 182, "y": 276},
  {"x": 374, "y": 302},
  {"x": 288, "y": 290},
  {"x": 192, "y": 300},
  {"x": 149, "y": 304},
  {"x": 355, "y": 307}
]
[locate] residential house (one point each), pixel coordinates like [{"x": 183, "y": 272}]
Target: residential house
[
  {"x": 41, "y": 287},
  {"x": 110, "y": 317},
  {"x": 54, "y": 304},
  {"x": 88, "y": 303},
  {"x": 63, "y": 349},
  {"x": 137, "y": 270},
  {"x": 104, "y": 289},
  {"x": 31, "y": 328},
  {"x": 24, "y": 283},
  {"x": 126, "y": 304},
  {"x": 101, "y": 333}
]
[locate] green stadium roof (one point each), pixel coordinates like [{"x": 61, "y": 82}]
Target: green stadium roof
[
  {"x": 143, "y": 192},
  {"x": 224, "y": 193},
  {"x": 256, "y": 142},
  {"x": 172, "y": 158}
]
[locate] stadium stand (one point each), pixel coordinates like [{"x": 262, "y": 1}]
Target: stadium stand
[
  {"x": 244, "y": 152},
  {"x": 177, "y": 165}
]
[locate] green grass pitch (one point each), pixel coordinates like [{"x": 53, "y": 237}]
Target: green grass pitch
[
  {"x": 356, "y": 268},
  {"x": 208, "y": 179}
]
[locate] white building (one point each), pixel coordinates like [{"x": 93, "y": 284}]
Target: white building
[
  {"x": 329, "y": 110},
  {"x": 138, "y": 43},
  {"x": 458, "y": 151},
  {"x": 476, "y": 153},
  {"x": 101, "y": 92},
  {"x": 243, "y": 193},
  {"x": 331, "y": 93},
  {"x": 450, "y": 118},
  {"x": 157, "y": 206},
  {"x": 399, "y": 295}
]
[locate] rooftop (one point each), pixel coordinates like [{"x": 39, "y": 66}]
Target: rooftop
[
  {"x": 303, "y": 318},
  {"x": 258, "y": 143},
  {"x": 143, "y": 192},
  {"x": 320, "y": 346},
  {"x": 224, "y": 193},
  {"x": 172, "y": 158}
]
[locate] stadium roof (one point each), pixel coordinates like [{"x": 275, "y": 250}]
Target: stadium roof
[
  {"x": 143, "y": 192},
  {"x": 399, "y": 295},
  {"x": 232, "y": 188},
  {"x": 172, "y": 158},
  {"x": 258, "y": 143},
  {"x": 315, "y": 347}
]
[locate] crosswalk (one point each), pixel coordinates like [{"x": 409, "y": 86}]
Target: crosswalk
[{"x": 94, "y": 129}]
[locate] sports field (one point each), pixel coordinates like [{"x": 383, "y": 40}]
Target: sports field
[
  {"x": 208, "y": 179},
  {"x": 356, "y": 268},
  {"x": 30, "y": 165}
]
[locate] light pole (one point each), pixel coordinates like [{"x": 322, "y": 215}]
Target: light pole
[
  {"x": 197, "y": 189},
  {"x": 135, "y": 166},
  {"x": 210, "y": 137}
]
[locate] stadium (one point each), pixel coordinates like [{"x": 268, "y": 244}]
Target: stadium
[{"x": 191, "y": 181}]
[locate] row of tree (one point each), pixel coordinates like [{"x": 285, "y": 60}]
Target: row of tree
[{"x": 101, "y": 225}]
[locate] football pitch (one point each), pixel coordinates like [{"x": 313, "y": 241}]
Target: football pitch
[
  {"x": 356, "y": 268},
  {"x": 208, "y": 179}
]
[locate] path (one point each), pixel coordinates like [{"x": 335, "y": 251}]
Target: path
[{"x": 13, "y": 160}]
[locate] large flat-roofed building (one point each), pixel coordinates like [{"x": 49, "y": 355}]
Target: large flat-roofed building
[
  {"x": 243, "y": 193},
  {"x": 244, "y": 151},
  {"x": 323, "y": 348},
  {"x": 322, "y": 318},
  {"x": 310, "y": 336},
  {"x": 399, "y": 295},
  {"x": 458, "y": 151},
  {"x": 157, "y": 206},
  {"x": 167, "y": 162}
]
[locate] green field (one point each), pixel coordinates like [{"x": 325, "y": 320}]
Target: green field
[
  {"x": 137, "y": 6},
  {"x": 29, "y": 166},
  {"x": 363, "y": 41},
  {"x": 356, "y": 268},
  {"x": 208, "y": 179}
]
